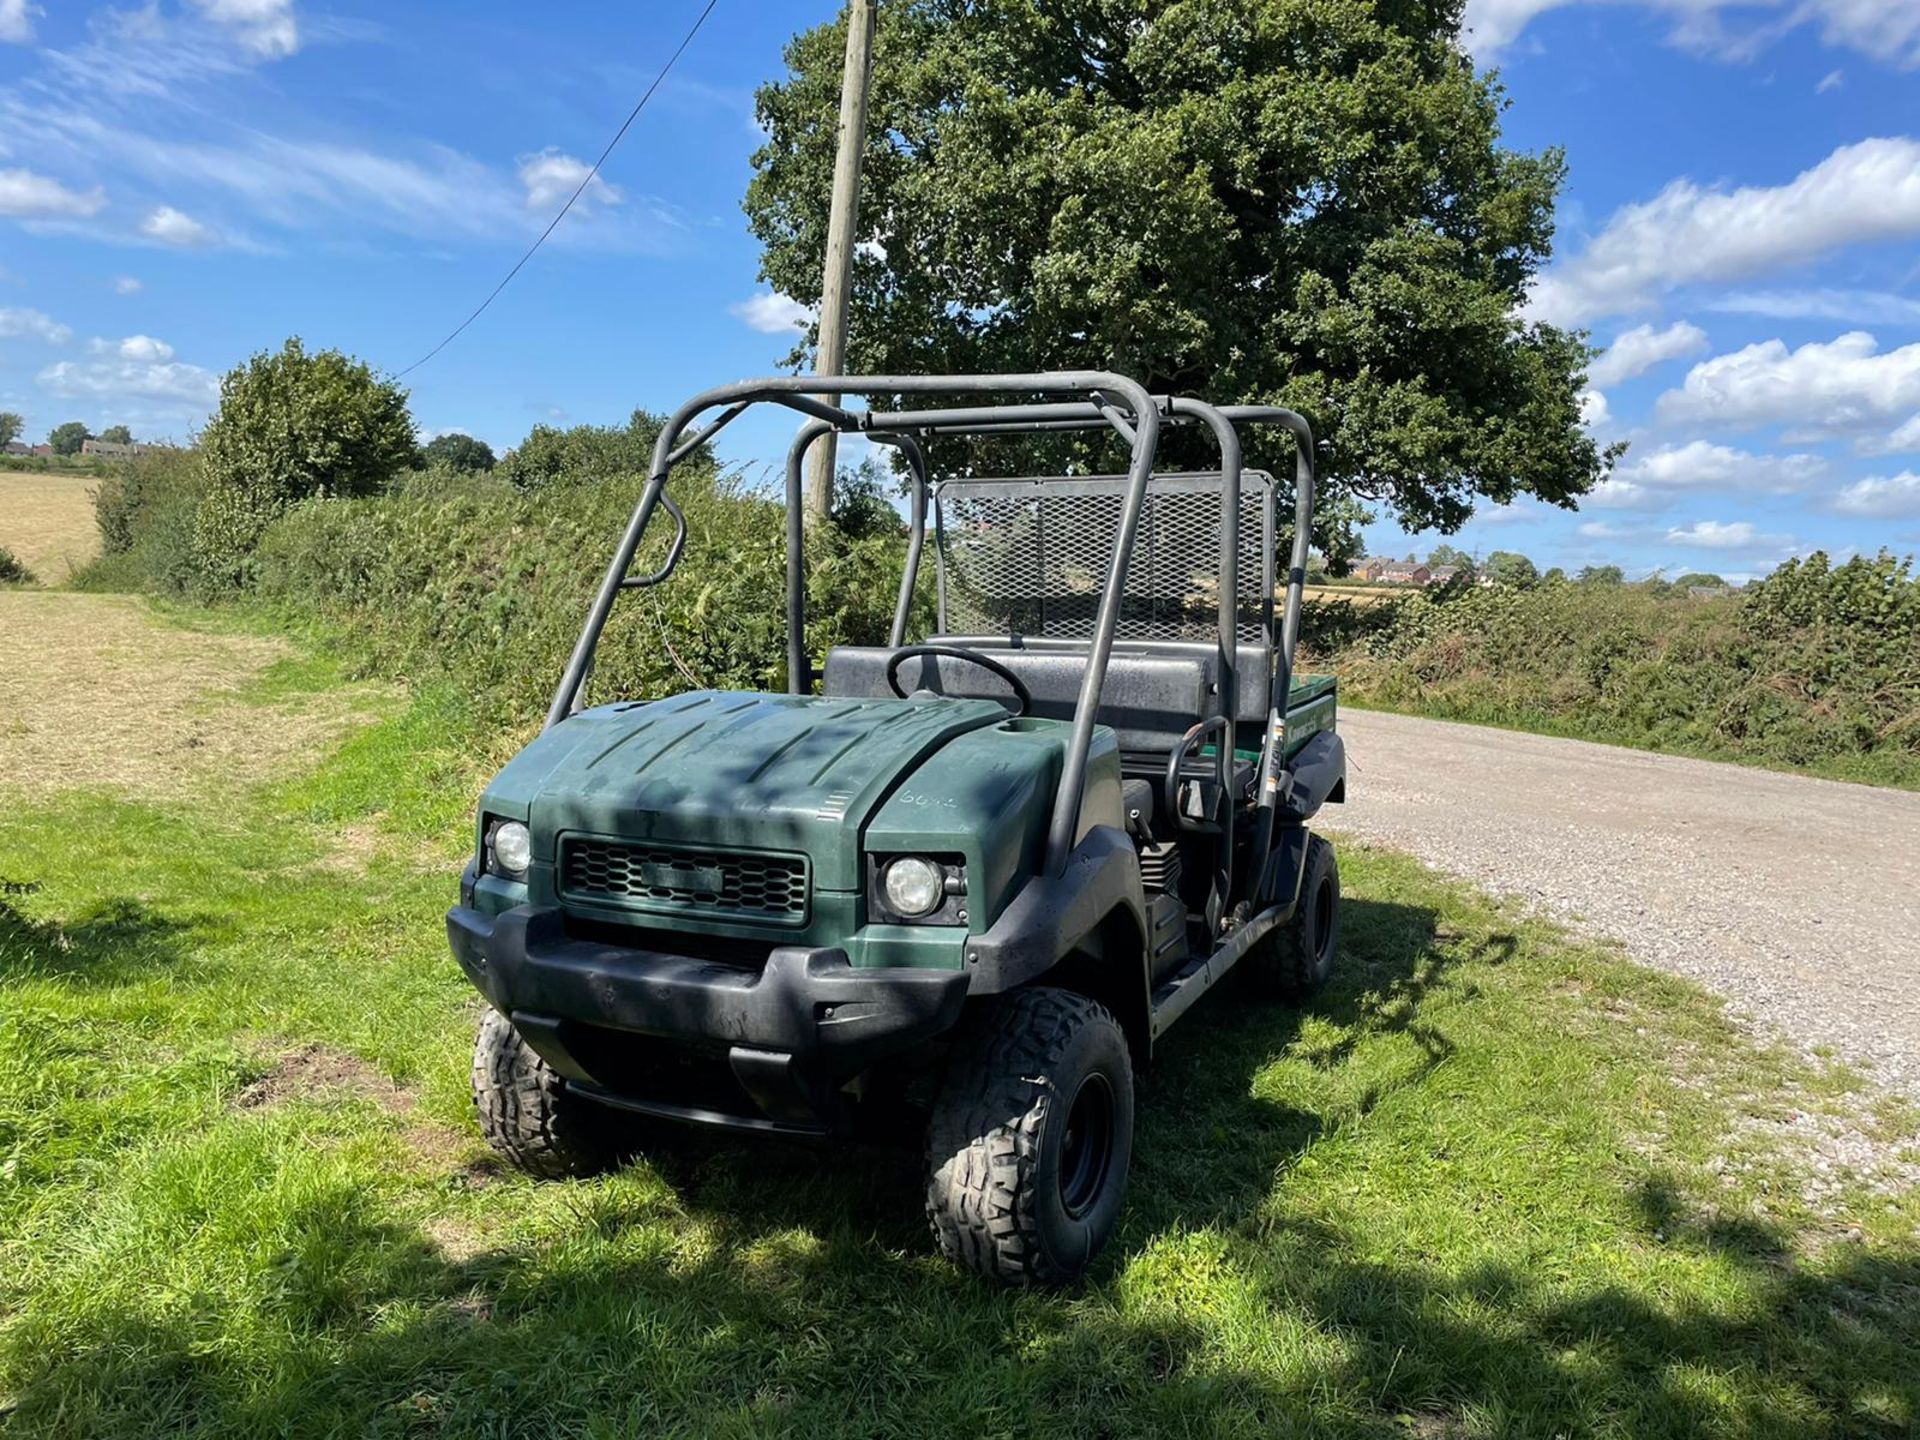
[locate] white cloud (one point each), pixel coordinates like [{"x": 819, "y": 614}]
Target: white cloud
[
  {"x": 1699, "y": 465},
  {"x": 134, "y": 98},
  {"x": 1617, "y": 494},
  {"x": 98, "y": 379},
  {"x": 127, "y": 285},
  {"x": 1892, "y": 497},
  {"x": 33, "y": 323},
  {"x": 1593, "y": 409},
  {"x": 1832, "y": 80},
  {"x": 1886, "y": 30},
  {"x": 27, "y": 196},
  {"x": 1727, "y": 535},
  {"x": 1601, "y": 530},
  {"x": 170, "y": 227},
  {"x": 772, "y": 314},
  {"x": 1903, "y": 440},
  {"x": 267, "y": 28},
  {"x": 134, "y": 347},
  {"x": 552, "y": 175},
  {"x": 1858, "y": 307},
  {"x": 16, "y": 21},
  {"x": 1821, "y": 390},
  {"x": 1687, "y": 234},
  {"x": 1636, "y": 351}
]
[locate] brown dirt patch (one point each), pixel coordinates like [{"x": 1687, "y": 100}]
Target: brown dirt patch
[
  {"x": 319, "y": 1070},
  {"x": 47, "y": 522},
  {"x": 98, "y": 691}
]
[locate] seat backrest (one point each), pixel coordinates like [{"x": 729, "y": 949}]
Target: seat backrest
[{"x": 1151, "y": 698}]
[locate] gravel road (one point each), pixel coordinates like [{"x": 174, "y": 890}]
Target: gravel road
[{"x": 1797, "y": 899}]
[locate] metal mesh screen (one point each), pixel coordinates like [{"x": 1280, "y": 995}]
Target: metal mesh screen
[{"x": 1030, "y": 557}]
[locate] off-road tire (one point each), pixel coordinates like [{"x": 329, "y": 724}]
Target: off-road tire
[
  {"x": 527, "y": 1113},
  {"x": 1292, "y": 961},
  {"x": 1002, "y": 1182}
]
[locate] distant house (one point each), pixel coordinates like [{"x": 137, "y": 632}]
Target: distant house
[
  {"x": 1405, "y": 574},
  {"x": 113, "y": 450},
  {"x": 1708, "y": 592},
  {"x": 19, "y": 447},
  {"x": 1444, "y": 574}
]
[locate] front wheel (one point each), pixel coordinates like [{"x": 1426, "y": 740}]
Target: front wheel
[
  {"x": 528, "y": 1114},
  {"x": 1293, "y": 960},
  {"x": 1030, "y": 1140}
]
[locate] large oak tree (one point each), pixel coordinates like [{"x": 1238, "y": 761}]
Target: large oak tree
[{"x": 1302, "y": 202}]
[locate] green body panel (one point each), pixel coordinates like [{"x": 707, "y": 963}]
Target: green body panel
[
  {"x": 831, "y": 780},
  {"x": 1310, "y": 709},
  {"x": 985, "y": 797},
  {"x": 804, "y": 776}
]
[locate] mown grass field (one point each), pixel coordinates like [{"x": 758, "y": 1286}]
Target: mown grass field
[
  {"x": 1493, "y": 1183},
  {"x": 46, "y": 520}
]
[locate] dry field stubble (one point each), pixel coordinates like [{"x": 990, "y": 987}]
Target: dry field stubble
[{"x": 46, "y": 520}]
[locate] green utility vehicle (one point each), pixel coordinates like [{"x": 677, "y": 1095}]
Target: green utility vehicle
[{"x": 970, "y": 882}]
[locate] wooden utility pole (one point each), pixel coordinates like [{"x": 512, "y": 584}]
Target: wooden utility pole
[{"x": 843, "y": 222}]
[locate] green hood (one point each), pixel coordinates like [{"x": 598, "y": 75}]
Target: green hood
[{"x": 764, "y": 772}]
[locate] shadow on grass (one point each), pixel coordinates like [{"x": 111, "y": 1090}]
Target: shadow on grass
[
  {"x": 794, "y": 1293},
  {"x": 118, "y": 941}
]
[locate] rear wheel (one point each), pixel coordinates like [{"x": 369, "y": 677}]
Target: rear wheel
[
  {"x": 528, "y": 1114},
  {"x": 1030, "y": 1139},
  {"x": 1294, "y": 960}
]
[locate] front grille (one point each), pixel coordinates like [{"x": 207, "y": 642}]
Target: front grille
[{"x": 670, "y": 880}]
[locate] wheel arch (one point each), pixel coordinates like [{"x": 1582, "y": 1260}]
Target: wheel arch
[{"x": 1109, "y": 966}]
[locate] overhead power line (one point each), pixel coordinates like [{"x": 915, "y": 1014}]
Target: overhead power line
[{"x": 578, "y": 191}]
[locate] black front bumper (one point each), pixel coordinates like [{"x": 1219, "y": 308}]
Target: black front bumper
[{"x": 793, "y": 1032}]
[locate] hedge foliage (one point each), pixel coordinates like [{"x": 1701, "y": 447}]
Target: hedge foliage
[
  {"x": 1817, "y": 666},
  {"x": 485, "y": 583}
]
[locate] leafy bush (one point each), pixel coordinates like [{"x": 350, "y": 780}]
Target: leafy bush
[
  {"x": 291, "y": 426},
  {"x": 12, "y": 572},
  {"x": 145, "y": 509},
  {"x": 1817, "y": 666}
]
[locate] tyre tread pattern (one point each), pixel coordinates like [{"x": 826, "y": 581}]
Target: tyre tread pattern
[
  {"x": 983, "y": 1145},
  {"x": 525, "y": 1110}
]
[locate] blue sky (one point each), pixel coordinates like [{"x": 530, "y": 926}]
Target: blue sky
[{"x": 187, "y": 181}]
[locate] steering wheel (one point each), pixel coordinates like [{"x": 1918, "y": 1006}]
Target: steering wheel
[{"x": 972, "y": 657}]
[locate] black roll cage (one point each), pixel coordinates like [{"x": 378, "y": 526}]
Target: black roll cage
[{"x": 1106, "y": 400}]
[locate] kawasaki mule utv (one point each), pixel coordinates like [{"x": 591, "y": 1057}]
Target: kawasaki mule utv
[{"x": 973, "y": 879}]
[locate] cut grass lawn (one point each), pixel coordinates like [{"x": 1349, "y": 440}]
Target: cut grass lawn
[
  {"x": 1493, "y": 1182},
  {"x": 103, "y": 690},
  {"x": 46, "y": 520}
]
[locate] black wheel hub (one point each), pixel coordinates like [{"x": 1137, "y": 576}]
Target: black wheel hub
[{"x": 1086, "y": 1150}]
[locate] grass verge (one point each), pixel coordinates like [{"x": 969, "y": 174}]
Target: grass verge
[{"x": 1494, "y": 1182}]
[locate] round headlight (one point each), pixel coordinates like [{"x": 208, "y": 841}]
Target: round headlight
[
  {"x": 512, "y": 847},
  {"x": 915, "y": 886}
]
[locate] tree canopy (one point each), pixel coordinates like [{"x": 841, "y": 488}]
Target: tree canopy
[
  {"x": 1248, "y": 200},
  {"x": 587, "y": 453},
  {"x": 1602, "y": 575},
  {"x": 68, "y": 438},
  {"x": 116, "y": 435},
  {"x": 458, "y": 452},
  {"x": 10, "y": 426},
  {"x": 1510, "y": 567}
]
